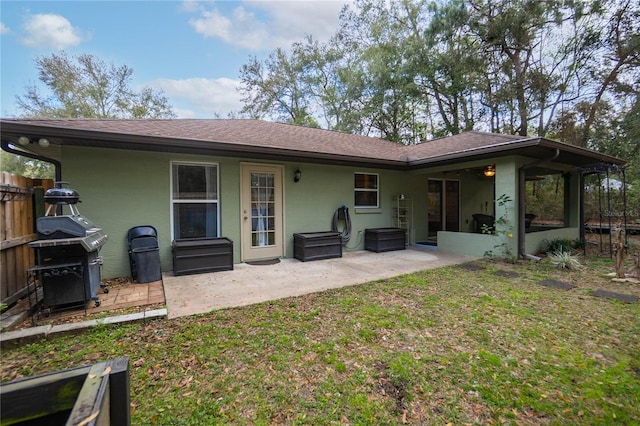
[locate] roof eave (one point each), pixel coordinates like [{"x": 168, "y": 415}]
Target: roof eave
[
  {"x": 83, "y": 137},
  {"x": 511, "y": 148},
  {"x": 599, "y": 157},
  {"x": 470, "y": 154},
  {"x": 128, "y": 141}
]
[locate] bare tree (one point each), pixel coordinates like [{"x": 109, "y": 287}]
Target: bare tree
[{"x": 87, "y": 87}]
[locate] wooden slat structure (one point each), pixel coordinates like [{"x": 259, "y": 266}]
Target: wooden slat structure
[
  {"x": 18, "y": 211},
  {"x": 96, "y": 394}
]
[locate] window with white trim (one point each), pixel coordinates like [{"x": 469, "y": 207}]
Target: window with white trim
[
  {"x": 195, "y": 206},
  {"x": 366, "y": 190}
]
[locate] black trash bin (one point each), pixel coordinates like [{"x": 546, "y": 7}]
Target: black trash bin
[{"x": 144, "y": 254}]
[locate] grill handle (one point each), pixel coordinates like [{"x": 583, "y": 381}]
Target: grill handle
[{"x": 97, "y": 261}]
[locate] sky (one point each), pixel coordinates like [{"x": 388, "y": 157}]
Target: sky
[{"x": 191, "y": 50}]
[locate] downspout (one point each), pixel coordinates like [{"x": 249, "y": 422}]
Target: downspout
[
  {"x": 58, "y": 166},
  {"x": 56, "y": 163},
  {"x": 521, "y": 202}
]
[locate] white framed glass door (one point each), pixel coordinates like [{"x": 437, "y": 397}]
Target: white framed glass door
[{"x": 262, "y": 211}]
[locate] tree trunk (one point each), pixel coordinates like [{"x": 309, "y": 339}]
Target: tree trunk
[
  {"x": 618, "y": 251},
  {"x": 634, "y": 272}
]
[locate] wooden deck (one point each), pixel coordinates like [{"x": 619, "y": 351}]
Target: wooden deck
[{"x": 119, "y": 297}]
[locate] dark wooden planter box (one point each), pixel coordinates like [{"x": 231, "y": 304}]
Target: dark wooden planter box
[
  {"x": 97, "y": 394},
  {"x": 317, "y": 245},
  {"x": 384, "y": 239},
  {"x": 199, "y": 255}
]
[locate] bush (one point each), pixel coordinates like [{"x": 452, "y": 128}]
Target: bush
[
  {"x": 564, "y": 260},
  {"x": 559, "y": 245}
]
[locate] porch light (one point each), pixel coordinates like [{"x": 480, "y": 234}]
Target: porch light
[
  {"x": 297, "y": 175},
  {"x": 490, "y": 171},
  {"x": 43, "y": 142},
  {"x": 23, "y": 140}
]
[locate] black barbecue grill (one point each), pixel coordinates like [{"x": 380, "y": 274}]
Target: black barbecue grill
[{"x": 67, "y": 252}]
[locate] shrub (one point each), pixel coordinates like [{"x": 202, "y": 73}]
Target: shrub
[
  {"x": 564, "y": 260},
  {"x": 559, "y": 245}
]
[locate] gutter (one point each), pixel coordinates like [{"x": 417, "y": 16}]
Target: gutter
[
  {"x": 471, "y": 152},
  {"x": 521, "y": 202},
  {"x": 487, "y": 151},
  {"x": 56, "y": 164},
  {"x": 237, "y": 150},
  {"x": 406, "y": 161}
]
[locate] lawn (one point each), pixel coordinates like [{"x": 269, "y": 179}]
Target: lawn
[{"x": 448, "y": 345}]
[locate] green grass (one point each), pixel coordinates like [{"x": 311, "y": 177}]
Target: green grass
[{"x": 435, "y": 347}]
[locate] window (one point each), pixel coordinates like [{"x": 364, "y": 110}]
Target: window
[
  {"x": 194, "y": 199},
  {"x": 366, "y": 190}
]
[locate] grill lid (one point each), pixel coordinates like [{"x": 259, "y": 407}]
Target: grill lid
[
  {"x": 61, "y": 195},
  {"x": 65, "y": 226}
]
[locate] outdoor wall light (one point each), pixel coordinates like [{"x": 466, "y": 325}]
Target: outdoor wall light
[
  {"x": 490, "y": 171},
  {"x": 24, "y": 141},
  {"x": 297, "y": 175}
]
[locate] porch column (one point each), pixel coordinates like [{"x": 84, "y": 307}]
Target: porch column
[{"x": 506, "y": 185}]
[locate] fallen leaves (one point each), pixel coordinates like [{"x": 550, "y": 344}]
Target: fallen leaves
[{"x": 477, "y": 352}]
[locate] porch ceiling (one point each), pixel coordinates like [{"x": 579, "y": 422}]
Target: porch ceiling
[{"x": 533, "y": 173}]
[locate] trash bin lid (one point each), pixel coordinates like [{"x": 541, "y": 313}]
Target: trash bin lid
[{"x": 141, "y": 231}]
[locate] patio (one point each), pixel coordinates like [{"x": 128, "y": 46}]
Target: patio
[{"x": 249, "y": 284}]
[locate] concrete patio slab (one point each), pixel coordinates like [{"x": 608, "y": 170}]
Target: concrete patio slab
[{"x": 249, "y": 284}]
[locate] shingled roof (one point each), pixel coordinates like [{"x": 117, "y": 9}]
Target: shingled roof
[{"x": 269, "y": 140}]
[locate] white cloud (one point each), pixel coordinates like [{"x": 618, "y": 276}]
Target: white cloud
[
  {"x": 211, "y": 96},
  {"x": 4, "y": 29},
  {"x": 265, "y": 25},
  {"x": 50, "y": 31},
  {"x": 193, "y": 5}
]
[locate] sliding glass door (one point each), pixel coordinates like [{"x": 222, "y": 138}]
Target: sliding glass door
[{"x": 443, "y": 206}]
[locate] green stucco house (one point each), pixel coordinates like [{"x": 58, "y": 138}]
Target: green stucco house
[{"x": 258, "y": 183}]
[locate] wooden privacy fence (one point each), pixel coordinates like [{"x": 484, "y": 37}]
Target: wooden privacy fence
[
  {"x": 21, "y": 202},
  {"x": 97, "y": 394}
]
